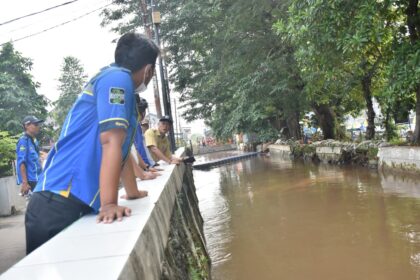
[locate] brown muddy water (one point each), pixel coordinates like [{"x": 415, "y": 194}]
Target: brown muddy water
[{"x": 268, "y": 218}]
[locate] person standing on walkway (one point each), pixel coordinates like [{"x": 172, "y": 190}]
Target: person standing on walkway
[
  {"x": 83, "y": 170},
  {"x": 28, "y": 167},
  {"x": 158, "y": 142}
]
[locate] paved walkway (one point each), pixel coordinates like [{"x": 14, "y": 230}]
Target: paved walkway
[{"x": 12, "y": 240}]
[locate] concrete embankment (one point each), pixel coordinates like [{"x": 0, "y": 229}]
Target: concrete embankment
[
  {"x": 200, "y": 150},
  {"x": 373, "y": 154},
  {"x": 224, "y": 160},
  {"x": 163, "y": 239},
  {"x": 405, "y": 159}
]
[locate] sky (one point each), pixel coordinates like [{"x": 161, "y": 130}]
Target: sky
[{"x": 83, "y": 38}]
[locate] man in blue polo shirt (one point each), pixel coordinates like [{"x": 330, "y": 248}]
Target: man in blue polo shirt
[
  {"x": 27, "y": 155},
  {"x": 145, "y": 160},
  {"x": 84, "y": 167}
]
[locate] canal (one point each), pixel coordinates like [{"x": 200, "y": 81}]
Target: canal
[{"x": 269, "y": 218}]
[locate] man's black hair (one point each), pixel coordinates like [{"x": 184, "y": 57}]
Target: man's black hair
[
  {"x": 134, "y": 51},
  {"x": 141, "y": 104}
]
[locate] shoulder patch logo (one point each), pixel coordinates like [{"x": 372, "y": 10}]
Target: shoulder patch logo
[
  {"x": 116, "y": 96},
  {"x": 22, "y": 148}
]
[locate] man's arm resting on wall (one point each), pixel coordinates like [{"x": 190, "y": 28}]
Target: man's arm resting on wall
[
  {"x": 129, "y": 180},
  {"x": 111, "y": 141},
  {"x": 159, "y": 154},
  {"x": 140, "y": 173}
]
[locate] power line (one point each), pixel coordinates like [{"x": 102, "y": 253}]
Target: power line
[
  {"x": 43, "y": 11},
  {"x": 58, "y": 25},
  {"x": 32, "y": 24}
]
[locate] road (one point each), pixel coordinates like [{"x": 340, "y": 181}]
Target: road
[{"x": 12, "y": 240}]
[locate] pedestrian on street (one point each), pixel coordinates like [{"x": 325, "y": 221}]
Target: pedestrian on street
[{"x": 28, "y": 167}]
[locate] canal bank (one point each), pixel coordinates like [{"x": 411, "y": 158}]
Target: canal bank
[
  {"x": 372, "y": 154},
  {"x": 162, "y": 239},
  {"x": 271, "y": 218}
]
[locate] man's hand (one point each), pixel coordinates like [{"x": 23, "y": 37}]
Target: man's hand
[
  {"x": 148, "y": 175},
  {"x": 175, "y": 160},
  {"x": 154, "y": 169},
  {"x": 108, "y": 213},
  {"x": 25, "y": 188},
  {"x": 139, "y": 194}
]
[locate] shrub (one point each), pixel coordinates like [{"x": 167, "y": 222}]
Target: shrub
[{"x": 7, "y": 153}]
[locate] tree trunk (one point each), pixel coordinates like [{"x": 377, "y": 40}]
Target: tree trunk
[
  {"x": 294, "y": 126},
  {"x": 367, "y": 94},
  {"x": 326, "y": 118},
  {"x": 389, "y": 130},
  {"x": 416, "y": 135},
  {"x": 413, "y": 24}
]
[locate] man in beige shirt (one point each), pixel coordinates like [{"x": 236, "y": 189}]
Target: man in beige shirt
[{"x": 158, "y": 143}]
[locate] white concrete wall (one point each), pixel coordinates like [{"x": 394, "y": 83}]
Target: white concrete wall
[
  {"x": 130, "y": 249},
  {"x": 400, "y": 158},
  {"x": 9, "y": 196},
  {"x": 283, "y": 148},
  {"x": 329, "y": 154},
  {"x": 199, "y": 150}
]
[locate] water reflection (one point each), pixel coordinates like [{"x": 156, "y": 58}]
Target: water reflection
[{"x": 266, "y": 218}]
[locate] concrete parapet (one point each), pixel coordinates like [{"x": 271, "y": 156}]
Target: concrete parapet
[
  {"x": 284, "y": 151},
  {"x": 10, "y": 200},
  {"x": 400, "y": 158},
  {"x": 329, "y": 154},
  {"x": 200, "y": 150},
  {"x": 162, "y": 239},
  {"x": 216, "y": 162}
]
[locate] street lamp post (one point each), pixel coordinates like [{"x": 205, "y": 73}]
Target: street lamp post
[{"x": 165, "y": 92}]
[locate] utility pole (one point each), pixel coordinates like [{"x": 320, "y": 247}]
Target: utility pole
[
  {"x": 176, "y": 119},
  {"x": 165, "y": 92},
  {"x": 144, "y": 16}
]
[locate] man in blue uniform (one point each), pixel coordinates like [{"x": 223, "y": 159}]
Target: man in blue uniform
[
  {"x": 144, "y": 161},
  {"x": 83, "y": 170},
  {"x": 27, "y": 155}
]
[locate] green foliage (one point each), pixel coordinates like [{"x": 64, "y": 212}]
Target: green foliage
[
  {"x": 258, "y": 66},
  {"x": 7, "y": 153},
  {"x": 398, "y": 142},
  {"x": 253, "y": 86},
  {"x": 341, "y": 48},
  {"x": 18, "y": 95},
  {"x": 71, "y": 82},
  {"x": 372, "y": 153}
]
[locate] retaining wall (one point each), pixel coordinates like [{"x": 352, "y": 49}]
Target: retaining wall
[
  {"x": 400, "y": 158},
  {"x": 284, "y": 151},
  {"x": 162, "y": 239},
  {"x": 10, "y": 200}
]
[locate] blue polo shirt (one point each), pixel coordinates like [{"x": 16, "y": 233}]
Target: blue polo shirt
[
  {"x": 138, "y": 143},
  {"x": 73, "y": 165},
  {"x": 27, "y": 153}
]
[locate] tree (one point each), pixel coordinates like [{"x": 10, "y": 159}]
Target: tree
[
  {"x": 340, "y": 47},
  {"x": 246, "y": 87},
  {"x": 403, "y": 72},
  {"x": 7, "y": 153},
  {"x": 18, "y": 91},
  {"x": 71, "y": 82}
]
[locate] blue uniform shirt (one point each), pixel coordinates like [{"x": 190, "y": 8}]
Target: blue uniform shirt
[
  {"x": 73, "y": 165},
  {"x": 27, "y": 152},
  {"x": 138, "y": 142}
]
